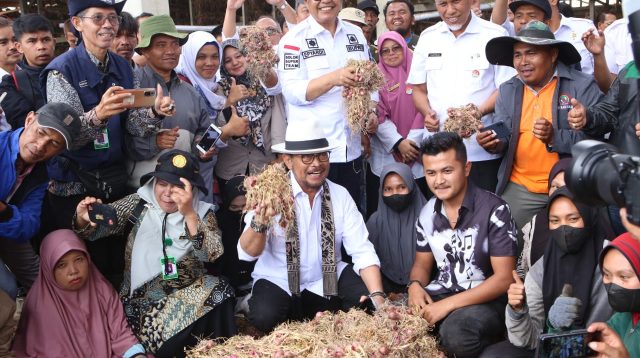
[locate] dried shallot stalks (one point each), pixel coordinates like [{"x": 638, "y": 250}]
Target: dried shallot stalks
[
  {"x": 256, "y": 45},
  {"x": 357, "y": 99},
  {"x": 271, "y": 188},
  {"x": 463, "y": 120}
]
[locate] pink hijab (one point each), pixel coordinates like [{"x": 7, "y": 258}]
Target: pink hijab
[
  {"x": 89, "y": 322},
  {"x": 396, "y": 101}
]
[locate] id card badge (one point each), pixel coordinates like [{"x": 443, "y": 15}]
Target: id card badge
[
  {"x": 102, "y": 141},
  {"x": 170, "y": 271}
]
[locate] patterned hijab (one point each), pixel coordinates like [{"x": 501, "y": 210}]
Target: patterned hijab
[{"x": 253, "y": 107}]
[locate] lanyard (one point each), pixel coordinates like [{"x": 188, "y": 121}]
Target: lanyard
[{"x": 167, "y": 267}]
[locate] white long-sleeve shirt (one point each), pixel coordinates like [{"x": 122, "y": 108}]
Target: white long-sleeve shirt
[{"x": 350, "y": 229}]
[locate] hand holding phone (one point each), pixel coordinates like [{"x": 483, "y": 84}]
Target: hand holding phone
[
  {"x": 139, "y": 97},
  {"x": 499, "y": 128},
  {"x": 565, "y": 344},
  {"x": 103, "y": 214},
  {"x": 209, "y": 139}
]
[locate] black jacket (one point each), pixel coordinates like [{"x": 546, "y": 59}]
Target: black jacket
[
  {"x": 25, "y": 97},
  {"x": 617, "y": 113}
]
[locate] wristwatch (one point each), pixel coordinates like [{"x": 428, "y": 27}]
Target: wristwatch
[{"x": 259, "y": 228}]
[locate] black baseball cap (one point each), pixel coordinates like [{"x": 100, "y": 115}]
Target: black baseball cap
[
  {"x": 176, "y": 164},
  {"x": 541, "y": 4},
  {"x": 369, "y": 4},
  {"x": 62, "y": 118}
]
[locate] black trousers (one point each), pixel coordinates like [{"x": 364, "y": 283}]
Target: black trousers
[
  {"x": 505, "y": 349},
  {"x": 270, "y": 305},
  {"x": 351, "y": 175},
  {"x": 484, "y": 174},
  {"x": 218, "y": 323}
]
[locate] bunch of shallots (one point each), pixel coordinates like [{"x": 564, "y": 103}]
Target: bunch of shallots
[
  {"x": 357, "y": 99},
  {"x": 256, "y": 46},
  {"x": 463, "y": 120},
  {"x": 271, "y": 188}
]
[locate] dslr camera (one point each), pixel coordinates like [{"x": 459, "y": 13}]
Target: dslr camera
[{"x": 599, "y": 175}]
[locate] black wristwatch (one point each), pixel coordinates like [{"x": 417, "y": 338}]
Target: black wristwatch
[{"x": 259, "y": 228}]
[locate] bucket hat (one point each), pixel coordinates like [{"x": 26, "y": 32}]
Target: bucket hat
[{"x": 158, "y": 25}]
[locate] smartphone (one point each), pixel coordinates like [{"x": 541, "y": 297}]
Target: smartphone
[
  {"x": 140, "y": 97},
  {"x": 499, "y": 128},
  {"x": 210, "y": 138},
  {"x": 103, "y": 214},
  {"x": 565, "y": 344}
]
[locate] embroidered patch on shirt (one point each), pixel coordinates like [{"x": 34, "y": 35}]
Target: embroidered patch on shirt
[
  {"x": 434, "y": 54},
  {"x": 564, "y": 102},
  {"x": 291, "y": 61},
  {"x": 353, "y": 48},
  {"x": 313, "y": 53},
  {"x": 82, "y": 84},
  {"x": 312, "y": 43},
  {"x": 353, "y": 39}
]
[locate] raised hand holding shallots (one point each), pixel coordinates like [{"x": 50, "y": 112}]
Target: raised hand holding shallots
[{"x": 269, "y": 194}]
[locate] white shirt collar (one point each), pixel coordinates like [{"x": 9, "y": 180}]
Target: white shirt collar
[
  {"x": 296, "y": 189},
  {"x": 473, "y": 27},
  {"x": 316, "y": 28}
]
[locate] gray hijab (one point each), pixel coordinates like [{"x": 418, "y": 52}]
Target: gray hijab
[{"x": 394, "y": 233}]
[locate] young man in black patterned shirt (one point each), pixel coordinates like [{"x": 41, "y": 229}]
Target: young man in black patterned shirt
[{"x": 468, "y": 235}]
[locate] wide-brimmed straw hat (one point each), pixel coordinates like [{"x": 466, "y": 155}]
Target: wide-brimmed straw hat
[
  {"x": 499, "y": 50},
  {"x": 304, "y": 137},
  {"x": 158, "y": 25}
]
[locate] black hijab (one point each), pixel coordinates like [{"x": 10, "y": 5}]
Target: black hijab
[
  {"x": 394, "y": 233},
  {"x": 576, "y": 269},
  {"x": 541, "y": 228}
]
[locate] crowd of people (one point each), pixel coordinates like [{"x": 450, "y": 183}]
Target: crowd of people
[{"x": 130, "y": 240}]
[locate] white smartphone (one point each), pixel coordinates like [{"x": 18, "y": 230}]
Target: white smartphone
[{"x": 209, "y": 139}]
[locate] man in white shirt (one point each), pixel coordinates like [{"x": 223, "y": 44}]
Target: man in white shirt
[
  {"x": 299, "y": 270},
  {"x": 312, "y": 71},
  {"x": 9, "y": 55},
  {"x": 450, "y": 69}
]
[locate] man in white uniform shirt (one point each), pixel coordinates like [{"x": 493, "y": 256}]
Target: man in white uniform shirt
[
  {"x": 299, "y": 270},
  {"x": 312, "y": 71},
  {"x": 450, "y": 69}
]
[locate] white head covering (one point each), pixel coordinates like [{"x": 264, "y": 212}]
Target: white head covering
[
  {"x": 147, "y": 247},
  {"x": 187, "y": 67}
]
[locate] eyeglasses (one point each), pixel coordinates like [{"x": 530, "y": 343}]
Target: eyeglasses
[
  {"x": 387, "y": 51},
  {"x": 309, "y": 158},
  {"x": 272, "y": 31},
  {"x": 99, "y": 19}
]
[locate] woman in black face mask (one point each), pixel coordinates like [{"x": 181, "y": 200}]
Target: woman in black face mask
[
  {"x": 542, "y": 304},
  {"x": 392, "y": 227},
  {"x": 620, "y": 263},
  {"x": 231, "y": 224}
]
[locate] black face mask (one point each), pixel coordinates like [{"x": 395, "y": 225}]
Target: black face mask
[
  {"x": 623, "y": 299},
  {"x": 397, "y": 202},
  {"x": 570, "y": 239}
]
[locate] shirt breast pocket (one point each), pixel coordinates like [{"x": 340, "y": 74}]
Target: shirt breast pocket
[
  {"x": 317, "y": 66},
  {"x": 475, "y": 67},
  {"x": 433, "y": 62}
]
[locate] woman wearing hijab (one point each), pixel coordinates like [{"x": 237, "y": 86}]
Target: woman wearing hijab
[
  {"x": 563, "y": 290},
  {"x": 620, "y": 263},
  {"x": 392, "y": 227},
  {"x": 261, "y": 103},
  {"x": 536, "y": 232},
  {"x": 72, "y": 310},
  {"x": 231, "y": 223},
  {"x": 401, "y": 126},
  {"x": 168, "y": 296},
  {"x": 198, "y": 65}
]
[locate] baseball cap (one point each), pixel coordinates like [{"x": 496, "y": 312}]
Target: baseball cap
[
  {"x": 369, "y": 4},
  {"x": 62, "y": 118}
]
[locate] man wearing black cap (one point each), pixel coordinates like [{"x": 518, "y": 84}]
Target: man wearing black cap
[
  {"x": 23, "y": 181},
  {"x": 399, "y": 17},
  {"x": 86, "y": 78},
  {"x": 542, "y": 96},
  {"x": 371, "y": 13}
]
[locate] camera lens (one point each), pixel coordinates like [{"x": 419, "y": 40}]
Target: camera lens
[{"x": 593, "y": 176}]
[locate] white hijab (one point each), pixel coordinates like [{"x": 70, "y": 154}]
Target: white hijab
[
  {"x": 147, "y": 246},
  {"x": 187, "y": 67}
]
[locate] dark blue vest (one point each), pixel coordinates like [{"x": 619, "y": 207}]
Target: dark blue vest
[{"x": 91, "y": 84}]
